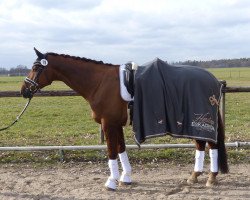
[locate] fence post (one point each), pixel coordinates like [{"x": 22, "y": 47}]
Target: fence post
[
  {"x": 62, "y": 155},
  {"x": 223, "y": 102},
  {"x": 102, "y": 135}
]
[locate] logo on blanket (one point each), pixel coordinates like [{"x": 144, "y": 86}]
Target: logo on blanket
[
  {"x": 213, "y": 100},
  {"x": 203, "y": 122}
]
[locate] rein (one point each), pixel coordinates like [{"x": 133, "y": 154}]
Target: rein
[
  {"x": 32, "y": 89},
  {"x": 18, "y": 117}
]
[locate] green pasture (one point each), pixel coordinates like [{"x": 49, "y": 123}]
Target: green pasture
[
  {"x": 67, "y": 121},
  {"x": 233, "y": 76}
]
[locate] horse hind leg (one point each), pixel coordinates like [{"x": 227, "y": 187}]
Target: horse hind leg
[
  {"x": 218, "y": 155},
  {"x": 214, "y": 166},
  {"x": 199, "y": 161}
]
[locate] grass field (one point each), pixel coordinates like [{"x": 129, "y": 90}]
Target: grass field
[{"x": 67, "y": 121}]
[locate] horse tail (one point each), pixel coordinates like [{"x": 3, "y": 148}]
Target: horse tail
[{"x": 222, "y": 152}]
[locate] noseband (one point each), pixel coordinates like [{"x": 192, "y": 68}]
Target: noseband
[{"x": 34, "y": 86}]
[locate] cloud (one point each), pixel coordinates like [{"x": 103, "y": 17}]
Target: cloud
[
  {"x": 64, "y": 4},
  {"x": 117, "y": 31}
]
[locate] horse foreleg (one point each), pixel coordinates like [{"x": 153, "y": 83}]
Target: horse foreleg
[
  {"x": 112, "y": 181},
  {"x": 125, "y": 178},
  {"x": 112, "y": 143},
  {"x": 199, "y": 161},
  {"x": 213, "y": 154}
]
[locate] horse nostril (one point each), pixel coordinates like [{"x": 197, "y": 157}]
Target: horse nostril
[{"x": 27, "y": 93}]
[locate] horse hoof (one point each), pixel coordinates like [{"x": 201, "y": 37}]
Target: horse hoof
[
  {"x": 211, "y": 183},
  {"x": 110, "y": 189},
  {"x": 111, "y": 184},
  {"x": 125, "y": 179},
  {"x": 124, "y": 183},
  {"x": 192, "y": 181},
  {"x": 193, "y": 178}
]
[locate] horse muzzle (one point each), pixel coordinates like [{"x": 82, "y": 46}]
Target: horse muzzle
[{"x": 27, "y": 93}]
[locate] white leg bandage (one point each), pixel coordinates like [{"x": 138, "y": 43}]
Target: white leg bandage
[
  {"x": 126, "y": 167},
  {"x": 114, "y": 174},
  {"x": 125, "y": 162},
  {"x": 213, "y": 153},
  {"x": 199, "y": 161}
]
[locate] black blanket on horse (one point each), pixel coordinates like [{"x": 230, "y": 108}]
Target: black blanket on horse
[{"x": 178, "y": 100}]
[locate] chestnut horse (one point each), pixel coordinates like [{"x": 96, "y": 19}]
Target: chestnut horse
[{"x": 98, "y": 83}]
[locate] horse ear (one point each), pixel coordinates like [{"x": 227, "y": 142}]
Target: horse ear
[{"x": 39, "y": 54}]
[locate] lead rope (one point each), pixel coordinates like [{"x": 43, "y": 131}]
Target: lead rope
[{"x": 18, "y": 117}]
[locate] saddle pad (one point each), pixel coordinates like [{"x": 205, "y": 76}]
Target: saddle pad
[
  {"x": 181, "y": 101},
  {"x": 123, "y": 90}
]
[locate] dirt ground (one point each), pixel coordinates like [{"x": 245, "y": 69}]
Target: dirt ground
[{"x": 86, "y": 181}]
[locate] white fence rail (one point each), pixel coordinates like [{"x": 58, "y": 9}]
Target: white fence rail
[
  {"x": 103, "y": 147},
  {"x": 61, "y": 149}
]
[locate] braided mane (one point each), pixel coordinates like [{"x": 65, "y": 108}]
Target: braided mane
[{"x": 79, "y": 58}]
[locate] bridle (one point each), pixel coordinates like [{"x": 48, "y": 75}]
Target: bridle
[{"x": 40, "y": 65}]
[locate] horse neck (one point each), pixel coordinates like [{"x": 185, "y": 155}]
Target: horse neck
[{"x": 82, "y": 76}]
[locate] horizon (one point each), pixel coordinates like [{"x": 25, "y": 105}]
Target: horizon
[{"x": 175, "y": 62}]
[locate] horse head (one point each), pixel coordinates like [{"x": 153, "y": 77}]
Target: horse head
[{"x": 38, "y": 77}]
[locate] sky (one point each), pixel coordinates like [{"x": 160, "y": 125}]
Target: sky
[{"x": 117, "y": 31}]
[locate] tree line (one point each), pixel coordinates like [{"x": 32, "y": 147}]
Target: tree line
[
  {"x": 20, "y": 70},
  {"x": 222, "y": 63}
]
